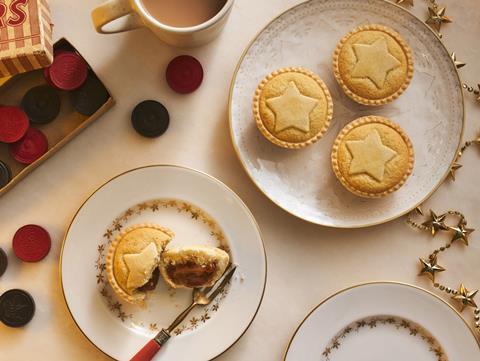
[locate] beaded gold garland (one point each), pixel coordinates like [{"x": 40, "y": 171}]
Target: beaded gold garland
[
  {"x": 436, "y": 223},
  {"x": 429, "y": 266},
  {"x": 436, "y": 18},
  {"x": 460, "y": 64},
  {"x": 456, "y": 166},
  {"x": 470, "y": 89}
]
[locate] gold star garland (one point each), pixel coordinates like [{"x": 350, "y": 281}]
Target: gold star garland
[
  {"x": 430, "y": 267},
  {"x": 456, "y": 166},
  {"x": 460, "y": 64},
  {"x": 436, "y": 14},
  {"x": 436, "y": 18},
  {"x": 436, "y": 223}
]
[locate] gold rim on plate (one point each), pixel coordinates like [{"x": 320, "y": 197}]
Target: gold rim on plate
[
  {"x": 166, "y": 166},
  {"x": 237, "y": 151},
  {"x": 378, "y": 283}
]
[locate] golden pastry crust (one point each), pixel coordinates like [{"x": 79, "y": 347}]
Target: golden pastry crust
[
  {"x": 199, "y": 255},
  {"x": 366, "y": 179},
  {"x": 132, "y": 240},
  {"x": 315, "y": 103},
  {"x": 392, "y": 72}
]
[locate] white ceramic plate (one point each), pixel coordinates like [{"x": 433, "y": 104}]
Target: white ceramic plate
[
  {"x": 199, "y": 209},
  {"x": 301, "y": 181},
  {"x": 383, "y": 321}
]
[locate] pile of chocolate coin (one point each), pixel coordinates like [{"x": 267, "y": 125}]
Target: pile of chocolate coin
[
  {"x": 31, "y": 243},
  {"x": 41, "y": 105},
  {"x": 150, "y": 118}
]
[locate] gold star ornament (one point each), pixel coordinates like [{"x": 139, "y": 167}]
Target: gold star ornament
[
  {"x": 458, "y": 64},
  {"x": 430, "y": 267},
  {"x": 460, "y": 233},
  {"x": 455, "y": 166},
  {"x": 292, "y": 109},
  {"x": 141, "y": 265},
  {"x": 370, "y": 156},
  {"x": 465, "y": 297},
  {"x": 436, "y": 223},
  {"x": 374, "y": 62},
  {"x": 436, "y": 17}
]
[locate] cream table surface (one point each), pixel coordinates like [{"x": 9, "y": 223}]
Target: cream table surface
[{"x": 306, "y": 263}]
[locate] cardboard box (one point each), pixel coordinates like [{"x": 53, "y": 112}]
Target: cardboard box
[
  {"x": 25, "y": 36},
  {"x": 60, "y": 131}
]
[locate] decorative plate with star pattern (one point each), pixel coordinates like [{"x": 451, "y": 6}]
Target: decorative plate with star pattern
[
  {"x": 208, "y": 213},
  {"x": 301, "y": 181},
  {"x": 383, "y": 321}
]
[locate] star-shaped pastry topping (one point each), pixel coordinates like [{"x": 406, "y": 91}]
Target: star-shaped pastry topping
[
  {"x": 458, "y": 64},
  {"x": 292, "y": 109},
  {"x": 435, "y": 223},
  {"x": 430, "y": 267},
  {"x": 369, "y": 156},
  {"x": 405, "y": 2},
  {"x": 436, "y": 17},
  {"x": 465, "y": 297},
  {"x": 140, "y": 266},
  {"x": 374, "y": 62},
  {"x": 460, "y": 233}
]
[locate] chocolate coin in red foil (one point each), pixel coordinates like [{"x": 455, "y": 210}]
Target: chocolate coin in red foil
[
  {"x": 68, "y": 71},
  {"x": 31, "y": 243},
  {"x": 184, "y": 74},
  {"x": 31, "y": 147},
  {"x": 13, "y": 124}
]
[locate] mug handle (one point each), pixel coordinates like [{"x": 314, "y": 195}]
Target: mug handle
[{"x": 112, "y": 10}]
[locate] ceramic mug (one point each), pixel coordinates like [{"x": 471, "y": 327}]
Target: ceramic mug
[{"x": 136, "y": 16}]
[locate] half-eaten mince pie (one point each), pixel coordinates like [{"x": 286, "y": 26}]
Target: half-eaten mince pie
[
  {"x": 132, "y": 260},
  {"x": 193, "y": 266}
]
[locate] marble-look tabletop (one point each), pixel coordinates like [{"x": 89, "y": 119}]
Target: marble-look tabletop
[{"x": 306, "y": 263}]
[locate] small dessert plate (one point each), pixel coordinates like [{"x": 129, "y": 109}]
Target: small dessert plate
[
  {"x": 301, "y": 181},
  {"x": 383, "y": 321},
  {"x": 199, "y": 209}
]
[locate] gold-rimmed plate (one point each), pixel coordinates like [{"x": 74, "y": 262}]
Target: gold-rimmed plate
[
  {"x": 380, "y": 321},
  {"x": 200, "y": 210},
  {"x": 301, "y": 181}
]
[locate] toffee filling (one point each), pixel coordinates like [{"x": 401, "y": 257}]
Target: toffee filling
[{"x": 190, "y": 274}]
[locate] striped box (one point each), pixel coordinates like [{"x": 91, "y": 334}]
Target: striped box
[{"x": 25, "y": 36}]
